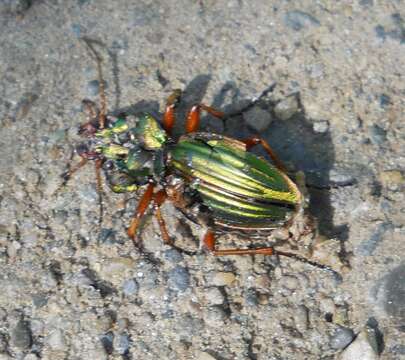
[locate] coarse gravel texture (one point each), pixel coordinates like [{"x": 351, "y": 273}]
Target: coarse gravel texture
[{"x": 70, "y": 289}]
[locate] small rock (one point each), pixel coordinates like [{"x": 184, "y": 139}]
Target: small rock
[
  {"x": 130, "y": 287},
  {"x": 286, "y": 108},
  {"x": 257, "y": 118},
  {"x": 21, "y": 335},
  {"x": 392, "y": 179},
  {"x": 179, "y": 278},
  {"x": 298, "y": 20},
  {"x": 222, "y": 279},
  {"x": 290, "y": 282},
  {"x": 359, "y": 349},
  {"x": 215, "y": 316},
  {"x": 173, "y": 256},
  {"x": 395, "y": 294},
  {"x": 251, "y": 297},
  {"x": 121, "y": 343},
  {"x": 341, "y": 177},
  {"x": 281, "y": 234},
  {"x": 214, "y": 296},
  {"x": 201, "y": 355},
  {"x": 341, "y": 338},
  {"x": 327, "y": 306},
  {"x": 12, "y": 249},
  {"x": 40, "y": 299},
  {"x": 115, "y": 268},
  {"x": 321, "y": 126},
  {"x": 301, "y": 318},
  {"x": 31, "y": 357},
  {"x": 377, "y": 135},
  {"x": 56, "y": 340},
  {"x": 107, "y": 342}
]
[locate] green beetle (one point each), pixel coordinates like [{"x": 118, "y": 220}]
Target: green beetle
[{"x": 213, "y": 179}]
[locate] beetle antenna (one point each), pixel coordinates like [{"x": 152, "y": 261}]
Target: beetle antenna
[
  {"x": 310, "y": 262},
  {"x": 97, "y": 57}
]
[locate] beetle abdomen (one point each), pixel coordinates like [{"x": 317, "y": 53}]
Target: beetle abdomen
[{"x": 241, "y": 189}]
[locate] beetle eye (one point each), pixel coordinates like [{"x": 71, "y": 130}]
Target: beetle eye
[
  {"x": 108, "y": 165},
  {"x": 82, "y": 149}
]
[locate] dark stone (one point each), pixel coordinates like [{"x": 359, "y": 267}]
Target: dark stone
[
  {"x": 21, "y": 336},
  {"x": 298, "y": 20},
  {"x": 179, "y": 278},
  {"x": 395, "y": 293}
]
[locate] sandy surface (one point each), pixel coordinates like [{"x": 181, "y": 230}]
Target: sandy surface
[{"x": 72, "y": 290}]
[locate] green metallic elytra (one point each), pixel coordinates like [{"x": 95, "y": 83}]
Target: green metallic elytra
[{"x": 240, "y": 188}]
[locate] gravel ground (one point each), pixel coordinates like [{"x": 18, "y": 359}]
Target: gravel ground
[{"x": 71, "y": 289}]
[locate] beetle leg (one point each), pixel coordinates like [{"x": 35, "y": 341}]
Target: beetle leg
[
  {"x": 169, "y": 117},
  {"x": 255, "y": 140},
  {"x": 67, "y": 175},
  {"x": 140, "y": 211},
  {"x": 98, "y": 165},
  {"x": 209, "y": 243},
  {"x": 193, "y": 117},
  {"x": 90, "y": 109},
  {"x": 158, "y": 199}
]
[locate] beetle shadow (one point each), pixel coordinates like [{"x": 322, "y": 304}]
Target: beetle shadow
[{"x": 295, "y": 142}]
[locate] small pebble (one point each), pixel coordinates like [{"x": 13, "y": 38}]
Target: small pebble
[
  {"x": 179, "y": 278},
  {"x": 257, "y": 118},
  {"x": 21, "y": 335},
  {"x": 359, "y": 349},
  {"x": 341, "y": 338},
  {"x": 12, "y": 249},
  {"x": 321, "y": 126},
  {"x": 392, "y": 179},
  {"x": 286, "y": 108},
  {"x": 290, "y": 282},
  {"x": 31, "y": 357},
  {"x": 214, "y": 296},
  {"x": 215, "y": 316},
  {"x": 301, "y": 318},
  {"x": 107, "y": 342},
  {"x": 251, "y": 297},
  {"x": 222, "y": 279},
  {"x": 56, "y": 340},
  {"x": 200, "y": 355},
  {"x": 298, "y": 20},
  {"x": 377, "y": 135},
  {"x": 327, "y": 305},
  {"x": 121, "y": 343},
  {"x": 130, "y": 287},
  {"x": 173, "y": 255}
]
